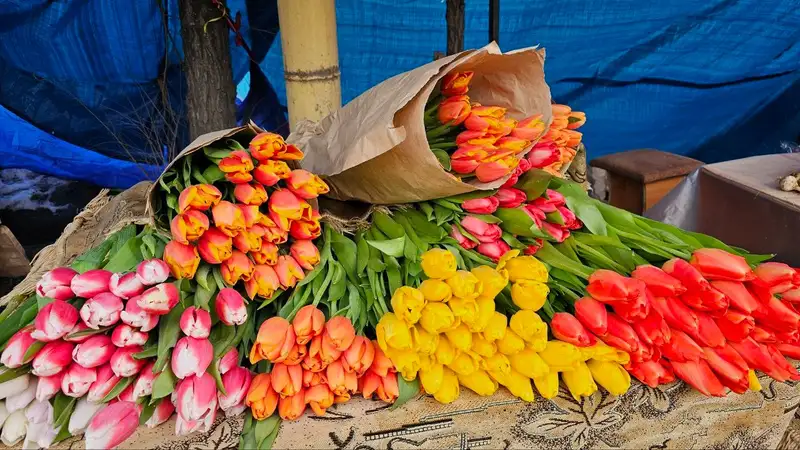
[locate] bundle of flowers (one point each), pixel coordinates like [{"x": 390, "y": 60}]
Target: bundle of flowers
[{"x": 558, "y": 147}]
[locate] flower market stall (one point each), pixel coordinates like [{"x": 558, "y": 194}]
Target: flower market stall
[{"x": 482, "y": 299}]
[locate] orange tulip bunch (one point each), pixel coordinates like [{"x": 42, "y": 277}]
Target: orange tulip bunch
[
  {"x": 559, "y": 145},
  {"x": 251, "y": 217},
  {"x": 316, "y": 364},
  {"x": 473, "y": 140}
]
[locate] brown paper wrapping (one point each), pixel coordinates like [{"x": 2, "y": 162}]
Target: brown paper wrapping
[{"x": 375, "y": 149}]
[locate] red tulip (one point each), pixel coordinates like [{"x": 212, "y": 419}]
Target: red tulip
[
  {"x": 136, "y": 317},
  {"x": 737, "y": 295},
  {"x": 160, "y": 299},
  {"x": 707, "y": 300},
  {"x": 152, "y": 272},
  {"x": 486, "y": 205},
  {"x": 592, "y": 314},
  {"x": 677, "y": 314},
  {"x": 778, "y": 276},
  {"x": 792, "y": 295},
  {"x": 55, "y": 284},
  {"x": 763, "y": 335},
  {"x": 651, "y": 373},
  {"x": 608, "y": 287},
  {"x": 708, "y": 333},
  {"x": 123, "y": 364},
  {"x": 266, "y": 146},
  {"x": 195, "y": 322},
  {"x": 758, "y": 357},
  {"x": 790, "y": 350},
  {"x": 735, "y": 325},
  {"x": 463, "y": 241},
  {"x": 717, "y": 264},
  {"x": 228, "y": 218},
  {"x": 653, "y": 329},
  {"x": 484, "y": 232},
  {"x": 52, "y": 358},
  {"x": 454, "y": 110},
  {"x": 102, "y": 310},
  {"x": 456, "y": 83},
  {"x": 782, "y": 363},
  {"x": 191, "y": 357},
  {"x": 14, "y": 354},
  {"x": 510, "y": 197},
  {"x": 531, "y": 249},
  {"x": 536, "y": 215},
  {"x": 112, "y": 425},
  {"x": 658, "y": 282},
  {"x": 94, "y": 352},
  {"x": 620, "y": 335},
  {"x": 80, "y": 326},
  {"x": 681, "y": 348},
  {"x": 493, "y": 250},
  {"x": 77, "y": 380},
  {"x": 778, "y": 315},
  {"x": 230, "y": 307},
  {"x": 687, "y": 274},
  {"x": 698, "y": 374},
  {"x": 634, "y": 308},
  {"x": 215, "y": 246},
  {"x": 729, "y": 367},
  {"x": 559, "y": 233},
  {"x": 567, "y": 328}
]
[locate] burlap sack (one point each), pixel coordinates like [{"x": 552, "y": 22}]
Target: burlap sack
[{"x": 375, "y": 149}]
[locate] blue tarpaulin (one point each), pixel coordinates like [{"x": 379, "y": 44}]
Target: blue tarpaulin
[{"x": 715, "y": 80}]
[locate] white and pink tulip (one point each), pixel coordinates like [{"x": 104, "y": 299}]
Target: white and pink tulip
[
  {"x": 102, "y": 310},
  {"x": 125, "y": 285},
  {"x": 191, "y": 357},
  {"x": 160, "y": 299},
  {"x": 94, "y": 351},
  {"x": 152, "y": 272},
  {"x": 112, "y": 425},
  {"x": 55, "y": 284},
  {"x": 91, "y": 283},
  {"x": 196, "y": 323},
  {"x": 54, "y": 321},
  {"x": 52, "y": 358}
]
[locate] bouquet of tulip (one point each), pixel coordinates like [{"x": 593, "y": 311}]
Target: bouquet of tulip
[{"x": 558, "y": 147}]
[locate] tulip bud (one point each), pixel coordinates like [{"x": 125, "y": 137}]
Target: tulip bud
[
  {"x": 320, "y": 398},
  {"x": 261, "y": 397},
  {"x": 658, "y": 282},
  {"x": 49, "y": 387},
  {"x": 55, "y": 284},
  {"x": 54, "y": 321},
  {"x": 449, "y": 391},
  {"x": 77, "y": 380},
  {"x": 136, "y": 317},
  {"x": 561, "y": 356},
  {"x": 19, "y": 400},
  {"x": 484, "y": 232},
  {"x": 91, "y": 283},
  {"x": 287, "y": 380},
  {"x": 480, "y": 383},
  {"x": 463, "y": 241},
  {"x": 159, "y": 299},
  {"x": 486, "y": 205},
  {"x": 105, "y": 382},
  {"x": 274, "y": 341},
  {"x": 13, "y": 355},
  {"x": 496, "y": 327},
  {"x": 41, "y": 432},
  {"x": 125, "y": 285},
  {"x": 291, "y": 408},
  {"x": 127, "y": 336},
  {"x": 339, "y": 333},
  {"x": 529, "y": 295},
  {"x": 14, "y": 428},
  {"x": 306, "y": 185},
  {"x": 455, "y": 110},
  {"x": 737, "y": 294},
  {"x": 182, "y": 259},
  {"x": 341, "y": 383},
  {"x": 52, "y": 358},
  {"x": 439, "y": 264},
  {"x": 228, "y": 361},
  {"x": 161, "y": 414},
  {"x": 112, "y": 425},
  {"x": 511, "y": 197},
  {"x": 407, "y": 303},
  {"x": 289, "y": 271},
  {"x": 83, "y": 414},
  {"x": 729, "y": 367},
  {"x": 191, "y": 357},
  {"x": 94, "y": 351},
  {"x": 653, "y": 330},
  {"x": 308, "y": 323},
  {"x": 686, "y": 273},
  {"x": 566, "y": 327},
  {"x": 123, "y": 364},
  {"x": 651, "y": 373},
  {"x": 717, "y": 264},
  {"x": 263, "y": 283},
  {"x": 143, "y": 386},
  {"x": 699, "y": 375},
  {"x": 381, "y": 364},
  {"x": 152, "y": 272},
  {"x": 530, "y": 327},
  {"x": 610, "y": 375},
  {"x": 230, "y": 307},
  {"x": 195, "y": 396},
  {"x": 196, "y": 322},
  {"x": 456, "y": 83},
  {"x": 592, "y": 314},
  {"x": 359, "y": 356},
  {"x": 102, "y": 310},
  {"x": 434, "y": 318},
  {"x": 237, "y": 383}
]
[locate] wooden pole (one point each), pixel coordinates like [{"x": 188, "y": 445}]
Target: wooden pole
[
  {"x": 454, "y": 16},
  {"x": 310, "y": 58},
  {"x": 494, "y": 21}
]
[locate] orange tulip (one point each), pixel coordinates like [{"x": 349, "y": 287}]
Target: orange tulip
[
  {"x": 291, "y": 408},
  {"x": 359, "y": 356},
  {"x": 263, "y": 283},
  {"x": 289, "y": 271},
  {"x": 339, "y": 332},
  {"x": 290, "y": 153},
  {"x": 269, "y": 173},
  {"x": 285, "y": 206},
  {"x": 182, "y": 259},
  {"x": 267, "y": 254},
  {"x": 576, "y": 119},
  {"x": 261, "y": 398},
  {"x": 381, "y": 364},
  {"x": 320, "y": 354},
  {"x": 228, "y": 218},
  {"x": 306, "y": 228},
  {"x": 272, "y": 232},
  {"x": 311, "y": 379},
  {"x": 189, "y": 226},
  {"x": 476, "y": 122},
  {"x": 199, "y": 196},
  {"x": 560, "y": 110},
  {"x": 246, "y": 241},
  {"x": 341, "y": 383},
  {"x": 559, "y": 123},
  {"x": 296, "y": 355},
  {"x": 319, "y": 398},
  {"x": 306, "y": 185},
  {"x": 369, "y": 384},
  {"x": 454, "y": 110},
  {"x": 274, "y": 341},
  {"x": 308, "y": 323},
  {"x": 494, "y": 170},
  {"x": 456, "y": 83},
  {"x": 389, "y": 390},
  {"x": 479, "y": 138},
  {"x": 237, "y": 267},
  {"x": 467, "y": 157},
  {"x": 514, "y": 144},
  {"x": 287, "y": 380},
  {"x": 305, "y": 253},
  {"x": 250, "y": 193},
  {"x": 250, "y": 214},
  {"x": 529, "y": 128},
  {"x": 215, "y": 246},
  {"x": 504, "y": 127},
  {"x": 573, "y": 138},
  {"x": 266, "y": 145},
  {"x": 237, "y": 161}
]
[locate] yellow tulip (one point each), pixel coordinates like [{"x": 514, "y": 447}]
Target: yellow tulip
[
  {"x": 435, "y": 290},
  {"x": 755, "y": 385},
  {"x": 465, "y": 363},
  {"x": 483, "y": 347},
  {"x": 393, "y": 333},
  {"x": 579, "y": 381},
  {"x": 426, "y": 361},
  {"x": 436, "y": 317},
  {"x": 493, "y": 281},
  {"x": 529, "y": 363},
  {"x": 519, "y": 385},
  {"x": 547, "y": 385},
  {"x": 464, "y": 308},
  {"x": 438, "y": 263},
  {"x": 496, "y": 328},
  {"x": 431, "y": 378},
  {"x": 603, "y": 352},
  {"x": 406, "y": 362},
  {"x": 497, "y": 363},
  {"x": 526, "y": 268},
  {"x": 530, "y": 327},
  {"x": 445, "y": 352},
  {"x": 407, "y": 304},
  {"x": 610, "y": 375},
  {"x": 478, "y": 382},
  {"x": 448, "y": 391},
  {"x": 460, "y": 337},
  {"x": 485, "y": 312},
  {"x": 510, "y": 343},
  {"x": 527, "y": 294},
  {"x": 464, "y": 285},
  {"x": 423, "y": 342},
  {"x": 507, "y": 256},
  {"x": 561, "y": 356}
]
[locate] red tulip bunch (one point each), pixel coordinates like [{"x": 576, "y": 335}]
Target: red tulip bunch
[{"x": 710, "y": 321}]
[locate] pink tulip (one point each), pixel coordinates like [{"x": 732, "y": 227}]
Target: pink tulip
[
  {"x": 571, "y": 221},
  {"x": 102, "y": 310},
  {"x": 191, "y": 357},
  {"x": 236, "y": 382},
  {"x": 493, "y": 250},
  {"x": 54, "y": 321},
  {"x": 55, "y": 284},
  {"x": 160, "y": 299},
  {"x": 94, "y": 352},
  {"x": 152, "y": 272},
  {"x": 463, "y": 241},
  {"x": 510, "y": 197},
  {"x": 79, "y": 327},
  {"x": 126, "y": 395},
  {"x": 230, "y": 307},
  {"x": 77, "y": 380},
  {"x": 203, "y": 424},
  {"x": 229, "y": 361},
  {"x": 161, "y": 414},
  {"x": 136, "y": 317},
  {"x": 486, "y": 205},
  {"x": 125, "y": 335},
  {"x": 196, "y": 396},
  {"x": 123, "y": 364},
  {"x": 112, "y": 425},
  {"x": 49, "y": 387},
  {"x": 558, "y": 232},
  {"x": 195, "y": 322},
  {"x": 91, "y": 283},
  {"x": 125, "y": 285},
  {"x": 143, "y": 386},
  {"x": 484, "y": 232},
  {"x": 105, "y": 382},
  {"x": 52, "y": 358},
  {"x": 14, "y": 354}
]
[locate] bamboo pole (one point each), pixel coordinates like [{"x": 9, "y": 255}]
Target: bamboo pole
[{"x": 310, "y": 58}]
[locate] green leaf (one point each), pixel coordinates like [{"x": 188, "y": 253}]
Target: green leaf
[
  {"x": 16, "y": 319},
  {"x": 168, "y": 331},
  {"x": 549, "y": 255},
  {"x": 391, "y": 247},
  {"x": 62, "y": 409},
  {"x": 222, "y": 339},
  {"x": 218, "y": 278},
  {"x": 346, "y": 253},
  {"x": 63, "y": 433},
  {"x": 148, "y": 410},
  {"x": 202, "y": 297},
  {"x": 519, "y": 223},
  {"x": 393, "y": 275},
  {"x": 447, "y": 204},
  {"x": 269, "y": 441},
  {"x": 460, "y": 198},
  {"x": 128, "y": 256},
  {"x": 148, "y": 352},
  {"x": 121, "y": 385},
  {"x": 443, "y": 157},
  {"x": 121, "y": 238},
  {"x": 427, "y": 209},
  {"x": 89, "y": 332},
  {"x": 41, "y": 302},
  {"x": 457, "y": 253},
  {"x": 362, "y": 253},
  {"x": 93, "y": 259},
  {"x": 212, "y": 174},
  {"x": 419, "y": 246},
  {"x": 488, "y": 218},
  {"x": 534, "y": 183},
  {"x": 387, "y": 225},
  {"x": 320, "y": 286},
  {"x": 213, "y": 370},
  {"x": 424, "y": 226},
  {"x": 164, "y": 383},
  {"x": 203, "y": 275},
  {"x": 407, "y": 390},
  {"x": 338, "y": 285},
  {"x": 17, "y": 372},
  {"x": 264, "y": 428},
  {"x": 33, "y": 350},
  {"x": 513, "y": 242}
]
